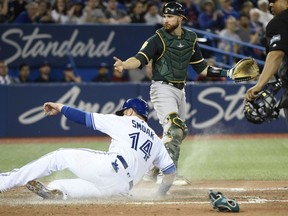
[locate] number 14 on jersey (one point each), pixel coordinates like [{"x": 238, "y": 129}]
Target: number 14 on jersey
[{"x": 145, "y": 147}]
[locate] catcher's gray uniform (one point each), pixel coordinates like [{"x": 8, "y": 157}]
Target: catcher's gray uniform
[{"x": 171, "y": 56}]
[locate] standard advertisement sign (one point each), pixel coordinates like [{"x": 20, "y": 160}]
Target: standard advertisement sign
[
  {"x": 87, "y": 45},
  {"x": 211, "y": 108}
]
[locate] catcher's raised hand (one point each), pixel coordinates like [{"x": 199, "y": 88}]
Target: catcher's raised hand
[
  {"x": 118, "y": 65},
  {"x": 52, "y": 108}
]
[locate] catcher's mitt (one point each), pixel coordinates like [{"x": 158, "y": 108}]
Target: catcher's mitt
[
  {"x": 221, "y": 203},
  {"x": 244, "y": 70}
]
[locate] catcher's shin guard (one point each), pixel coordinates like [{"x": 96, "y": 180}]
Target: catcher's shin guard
[{"x": 175, "y": 130}]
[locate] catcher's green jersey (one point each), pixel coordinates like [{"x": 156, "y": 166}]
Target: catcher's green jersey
[{"x": 171, "y": 55}]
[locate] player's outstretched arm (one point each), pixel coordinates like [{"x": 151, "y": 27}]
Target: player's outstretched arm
[
  {"x": 70, "y": 113},
  {"x": 130, "y": 63},
  {"x": 51, "y": 108},
  {"x": 166, "y": 184}
]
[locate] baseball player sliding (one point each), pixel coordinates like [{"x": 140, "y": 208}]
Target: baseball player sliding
[{"x": 134, "y": 148}]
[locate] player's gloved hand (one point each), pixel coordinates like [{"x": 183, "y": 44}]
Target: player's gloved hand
[{"x": 244, "y": 70}]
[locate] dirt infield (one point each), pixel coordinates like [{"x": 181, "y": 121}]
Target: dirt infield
[{"x": 255, "y": 197}]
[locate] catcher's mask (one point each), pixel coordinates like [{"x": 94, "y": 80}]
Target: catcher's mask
[
  {"x": 174, "y": 8},
  {"x": 263, "y": 109},
  {"x": 138, "y": 105}
]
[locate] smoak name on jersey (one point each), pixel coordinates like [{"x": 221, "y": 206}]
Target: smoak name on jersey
[{"x": 142, "y": 127}]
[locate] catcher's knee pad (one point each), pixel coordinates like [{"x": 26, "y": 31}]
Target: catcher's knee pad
[{"x": 175, "y": 130}]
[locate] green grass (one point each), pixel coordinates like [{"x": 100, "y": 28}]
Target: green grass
[
  {"x": 16, "y": 155},
  {"x": 249, "y": 159}
]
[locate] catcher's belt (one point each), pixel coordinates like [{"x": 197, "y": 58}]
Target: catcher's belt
[
  {"x": 180, "y": 85},
  {"x": 125, "y": 165}
]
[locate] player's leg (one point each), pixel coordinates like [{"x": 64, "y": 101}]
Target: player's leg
[
  {"x": 175, "y": 131},
  {"x": 75, "y": 188},
  {"x": 67, "y": 188},
  {"x": 163, "y": 102},
  {"x": 97, "y": 178},
  {"x": 164, "y": 99},
  {"x": 35, "y": 169},
  {"x": 79, "y": 161},
  {"x": 169, "y": 104}
]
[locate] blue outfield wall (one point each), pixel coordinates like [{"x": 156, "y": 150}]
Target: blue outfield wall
[{"x": 212, "y": 108}]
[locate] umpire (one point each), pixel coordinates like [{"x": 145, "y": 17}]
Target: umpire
[
  {"x": 172, "y": 49},
  {"x": 276, "y": 63}
]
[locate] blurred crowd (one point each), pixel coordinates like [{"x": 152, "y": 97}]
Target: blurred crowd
[
  {"x": 203, "y": 14},
  {"x": 80, "y": 11},
  {"x": 104, "y": 73},
  {"x": 243, "y": 20}
]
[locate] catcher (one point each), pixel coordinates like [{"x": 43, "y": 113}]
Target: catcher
[{"x": 171, "y": 50}]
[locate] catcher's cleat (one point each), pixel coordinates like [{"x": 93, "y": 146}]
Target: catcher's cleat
[{"x": 38, "y": 188}]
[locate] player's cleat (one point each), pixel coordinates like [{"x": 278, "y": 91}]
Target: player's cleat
[
  {"x": 181, "y": 181},
  {"x": 154, "y": 175},
  {"x": 38, "y": 188}
]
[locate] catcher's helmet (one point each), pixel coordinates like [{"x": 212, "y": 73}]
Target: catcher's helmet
[
  {"x": 139, "y": 105},
  {"x": 174, "y": 8},
  {"x": 263, "y": 108}
]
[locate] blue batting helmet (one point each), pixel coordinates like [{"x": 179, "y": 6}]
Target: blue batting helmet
[{"x": 138, "y": 105}]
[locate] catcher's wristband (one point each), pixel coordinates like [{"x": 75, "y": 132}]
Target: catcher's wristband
[{"x": 216, "y": 72}]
